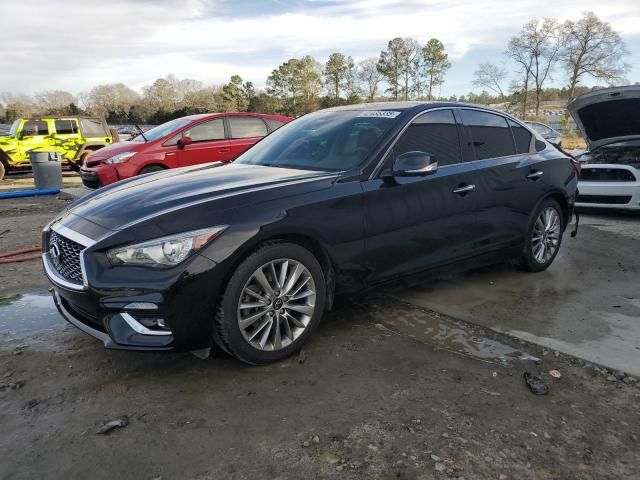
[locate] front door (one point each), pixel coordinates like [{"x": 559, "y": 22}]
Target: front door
[
  {"x": 415, "y": 222},
  {"x": 209, "y": 144},
  {"x": 34, "y": 136},
  {"x": 67, "y": 137}
]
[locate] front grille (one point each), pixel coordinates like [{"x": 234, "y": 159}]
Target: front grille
[
  {"x": 606, "y": 175},
  {"x": 65, "y": 256},
  {"x": 605, "y": 199}
]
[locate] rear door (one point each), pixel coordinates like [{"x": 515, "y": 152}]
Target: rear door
[
  {"x": 511, "y": 179},
  {"x": 417, "y": 222},
  {"x": 244, "y": 131},
  {"x": 209, "y": 144},
  {"x": 67, "y": 137}
]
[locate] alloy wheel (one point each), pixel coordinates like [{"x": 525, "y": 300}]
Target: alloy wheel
[
  {"x": 276, "y": 304},
  {"x": 546, "y": 235}
]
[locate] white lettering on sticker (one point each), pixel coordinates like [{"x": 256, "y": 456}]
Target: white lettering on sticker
[{"x": 379, "y": 114}]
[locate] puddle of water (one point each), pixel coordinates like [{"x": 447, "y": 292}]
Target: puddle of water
[
  {"x": 447, "y": 334},
  {"x": 22, "y": 315}
]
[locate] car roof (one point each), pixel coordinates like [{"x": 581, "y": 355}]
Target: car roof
[{"x": 411, "y": 105}]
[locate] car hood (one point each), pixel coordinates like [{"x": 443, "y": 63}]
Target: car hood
[
  {"x": 108, "y": 152},
  {"x": 608, "y": 115},
  {"x": 148, "y": 196}
]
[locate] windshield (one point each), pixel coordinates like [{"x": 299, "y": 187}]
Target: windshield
[
  {"x": 162, "y": 130},
  {"x": 14, "y": 128},
  {"x": 331, "y": 141}
]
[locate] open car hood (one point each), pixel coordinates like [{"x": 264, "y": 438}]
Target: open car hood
[{"x": 608, "y": 115}]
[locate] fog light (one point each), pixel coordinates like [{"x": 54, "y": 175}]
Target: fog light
[
  {"x": 152, "y": 322},
  {"x": 141, "y": 306}
]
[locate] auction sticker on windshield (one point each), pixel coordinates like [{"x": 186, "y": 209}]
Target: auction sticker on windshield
[{"x": 380, "y": 114}]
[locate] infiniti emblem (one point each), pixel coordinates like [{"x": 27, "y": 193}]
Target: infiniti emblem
[{"x": 56, "y": 254}]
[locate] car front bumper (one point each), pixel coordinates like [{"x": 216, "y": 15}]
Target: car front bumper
[{"x": 610, "y": 194}]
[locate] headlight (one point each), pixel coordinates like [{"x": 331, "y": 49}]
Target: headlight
[
  {"x": 120, "y": 158},
  {"x": 165, "y": 251}
]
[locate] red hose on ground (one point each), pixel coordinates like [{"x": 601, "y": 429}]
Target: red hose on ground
[{"x": 19, "y": 255}]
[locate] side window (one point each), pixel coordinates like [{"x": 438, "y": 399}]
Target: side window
[
  {"x": 203, "y": 132},
  {"x": 207, "y": 131},
  {"x": 92, "y": 128},
  {"x": 489, "y": 134},
  {"x": 247, "y": 127},
  {"x": 435, "y": 133},
  {"x": 35, "y": 127},
  {"x": 273, "y": 124},
  {"x": 66, "y": 127},
  {"x": 522, "y": 136}
]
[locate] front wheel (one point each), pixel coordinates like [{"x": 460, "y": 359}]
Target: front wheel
[
  {"x": 272, "y": 304},
  {"x": 151, "y": 169},
  {"x": 544, "y": 236}
]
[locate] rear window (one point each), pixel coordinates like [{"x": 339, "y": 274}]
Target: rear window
[
  {"x": 66, "y": 127},
  {"x": 489, "y": 134},
  {"x": 34, "y": 128},
  {"x": 92, "y": 128},
  {"x": 247, "y": 127},
  {"x": 522, "y": 136}
]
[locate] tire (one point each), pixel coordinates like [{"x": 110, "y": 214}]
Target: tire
[
  {"x": 151, "y": 169},
  {"x": 257, "y": 343},
  {"x": 543, "y": 241},
  {"x": 2, "y": 170}
]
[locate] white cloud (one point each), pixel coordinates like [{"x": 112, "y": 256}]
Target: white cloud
[{"x": 80, "y": 43}]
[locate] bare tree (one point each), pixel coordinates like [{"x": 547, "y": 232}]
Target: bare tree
[
  {"x": 591, "y": 48},
  {"x": 370, "y": 76},
  {"x": 54, "y": 102},
  {"x": 110, "y": 98},
  {"x": 491, "y": 76},
  {"x": 410, "y": 53},
  {"x": 518, "y": 51},
  {"x": 536, "y": 48}
]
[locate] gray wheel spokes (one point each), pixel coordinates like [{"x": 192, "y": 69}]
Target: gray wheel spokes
[
  {"x": 546, "y": 235},
  {"x": 276, "y": 304}
]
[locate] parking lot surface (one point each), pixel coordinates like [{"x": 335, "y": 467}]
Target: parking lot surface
[{"x": 586, "y": 304}]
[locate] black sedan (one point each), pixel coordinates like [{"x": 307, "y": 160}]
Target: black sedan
[{"x": 250, "y": 254}]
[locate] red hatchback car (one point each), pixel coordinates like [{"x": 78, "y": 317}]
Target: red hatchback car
[{"x": 182, "y": 142}]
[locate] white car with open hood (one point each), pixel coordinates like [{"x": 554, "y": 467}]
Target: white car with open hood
[{"x": 609, "y": 120}]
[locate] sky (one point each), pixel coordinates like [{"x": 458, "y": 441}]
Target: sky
[{"x": 74, "y": 45}]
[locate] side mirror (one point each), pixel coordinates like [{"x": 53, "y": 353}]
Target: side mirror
[
  {"x": 414, "y": 164},
  {"x": 184, "y": 141}
]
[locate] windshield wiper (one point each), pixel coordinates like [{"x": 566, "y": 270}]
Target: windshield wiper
[{"x": 137, "y": 128}]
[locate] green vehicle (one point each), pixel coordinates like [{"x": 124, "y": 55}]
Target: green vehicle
[{"x": 74, "y": 137}]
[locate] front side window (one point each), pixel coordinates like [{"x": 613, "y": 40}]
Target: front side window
[
  {"x": 247, "y": 127},
  {"x": 35, "y": 128},
  {"x": 14, "y": 127},
  {"x": 435, "y": 133},
  {"x": 522, "y": 136},
  {"x": 273, "y": 124},
  {"x": 202, "y": 132},
  {"x": 66, "y": 127},
  {"x": 326, "y": 140},
  {"x": 489, "y": 134}
]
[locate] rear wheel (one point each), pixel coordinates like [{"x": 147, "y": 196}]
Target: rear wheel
[
  {"x": 151, "y": 169},
  {"x": 2, "y": 170},
  {"x": 543, "y": 237},
  {"x": 272, "y": 304}
]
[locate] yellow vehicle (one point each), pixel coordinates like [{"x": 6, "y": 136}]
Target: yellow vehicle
[{"x": 73, "y": 136}]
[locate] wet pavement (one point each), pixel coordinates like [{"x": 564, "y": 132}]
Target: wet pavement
[
  {"x": 587, "y": 304},
  {"x": 23, "y": 315}
]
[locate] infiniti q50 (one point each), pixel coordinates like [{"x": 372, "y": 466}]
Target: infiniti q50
[{"x": 249, "y": 255}]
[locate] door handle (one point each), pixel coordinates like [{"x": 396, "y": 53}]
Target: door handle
[
  {"x": 535, "y": 175},
  {"x": 464, "y": 189},
  {"x": 224, "y": 150}
]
